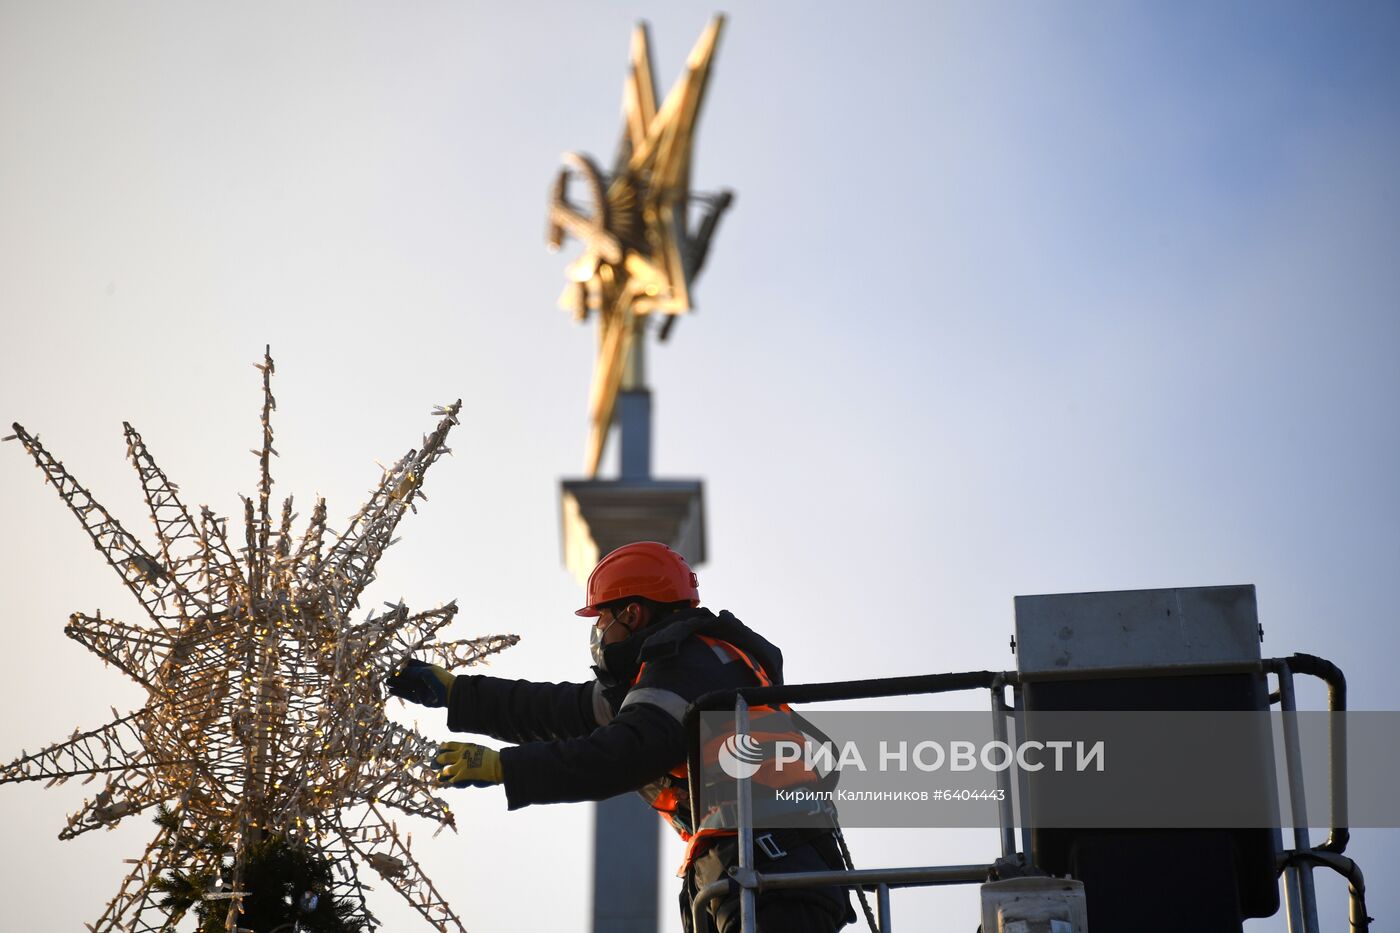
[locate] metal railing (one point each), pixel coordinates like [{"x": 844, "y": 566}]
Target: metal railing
[
  {"x": 1295, "y": 865},
  {"x": 745, "y": 878}
]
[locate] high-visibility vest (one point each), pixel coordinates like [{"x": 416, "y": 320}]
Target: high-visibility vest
[{"x": 669, "y": 795}]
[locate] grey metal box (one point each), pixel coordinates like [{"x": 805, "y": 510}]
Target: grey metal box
[{"x": 1069, "y": 633}]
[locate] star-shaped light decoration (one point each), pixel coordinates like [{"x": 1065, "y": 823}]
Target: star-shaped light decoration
[
  {"x": 640, "y": 256},
  {"x": 265, "y": 714}
]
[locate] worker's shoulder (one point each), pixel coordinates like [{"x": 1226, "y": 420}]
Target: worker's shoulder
[
  {"x": 691, "y": 651},
  {"x": 695, "y": 664}
]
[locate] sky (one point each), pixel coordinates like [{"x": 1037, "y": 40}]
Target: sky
[{"x": 1013, "y": 299}]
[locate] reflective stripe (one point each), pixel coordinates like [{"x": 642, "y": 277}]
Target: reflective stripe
[
  {"x": 732, "y": 653},
  {"x": 665, "y": 700},
  {"x": 602, "y": 713}
]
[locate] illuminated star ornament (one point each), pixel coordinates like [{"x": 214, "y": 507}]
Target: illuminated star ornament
[
  {"x": 264, "y": 727},
  {"x": 640, "y": 253}
]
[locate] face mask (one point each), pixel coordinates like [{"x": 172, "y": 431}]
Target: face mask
[
  {"x": 595, "y": 647},
  {"x": 595, "y": 643}
]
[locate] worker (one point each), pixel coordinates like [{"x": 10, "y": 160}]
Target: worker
[{"x": 655, "y": 651}]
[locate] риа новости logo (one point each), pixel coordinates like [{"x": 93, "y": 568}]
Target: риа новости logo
[{"x": 740, "y": 756}]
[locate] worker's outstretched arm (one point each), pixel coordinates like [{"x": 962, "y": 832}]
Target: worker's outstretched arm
[
  {"x": 520, "y": 710},
  {"x": 510, "y": 710},
  {"x": 638, "y": 745},
  {"x": 634, "y": 749}
]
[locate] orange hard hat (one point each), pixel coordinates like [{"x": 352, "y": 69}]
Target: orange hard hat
[{"x": 647, "y": 569}]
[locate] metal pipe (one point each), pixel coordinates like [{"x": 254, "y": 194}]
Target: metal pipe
[
  {"x": 866, "y": 877},
  {"x": 882, "y": 898},
  {"x": 1022, "y": 779},
  {"x": 1357, "y": 917},
  {"x": 706, "y": 894},
  {"x": 862, "y": 877},
  {"x": 1292, "y": 901},
  {"x": 853, "y": 689},
  {"x": 1356, "y": 882},
  {"x": 1006, "y": 820},
  {"x": 1307, "y": 896},
  {"x": 1338, "y": 834},
  {"x": 748, "y": 918}
]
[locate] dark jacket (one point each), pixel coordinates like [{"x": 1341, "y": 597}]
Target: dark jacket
[{"x": 591, "y": 741}]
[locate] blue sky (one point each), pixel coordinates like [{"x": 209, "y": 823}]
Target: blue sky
[{"x": 1014, "y": 299}]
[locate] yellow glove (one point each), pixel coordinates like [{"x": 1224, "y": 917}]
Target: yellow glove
[{"x": 464, "y": 764}]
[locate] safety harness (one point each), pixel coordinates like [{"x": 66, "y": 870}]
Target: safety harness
[{"x": 669, "y": 794}]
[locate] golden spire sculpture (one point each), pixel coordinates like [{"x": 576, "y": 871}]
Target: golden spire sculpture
[
  {"x": 265, "y": 712},
  {"x": 640, "y": 255}
]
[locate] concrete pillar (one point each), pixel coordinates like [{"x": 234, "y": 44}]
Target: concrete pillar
[{"x": 626, "y": 866}]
